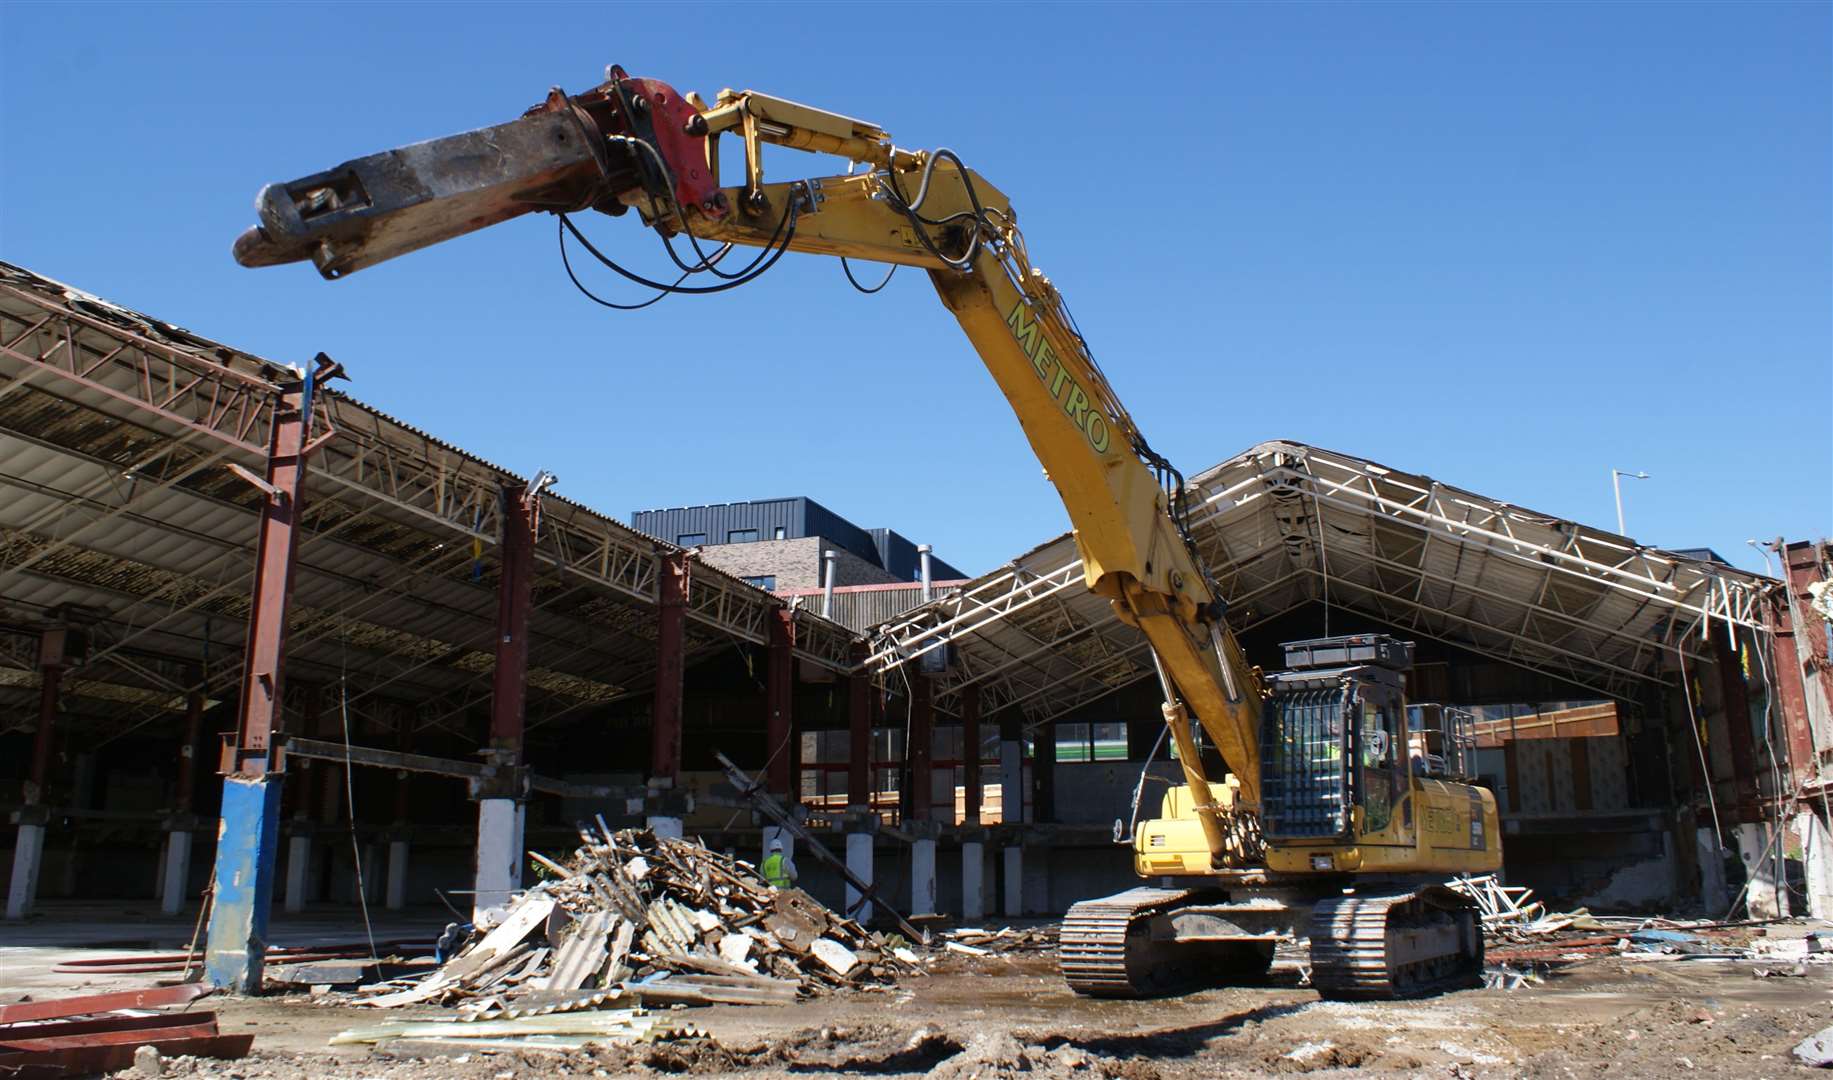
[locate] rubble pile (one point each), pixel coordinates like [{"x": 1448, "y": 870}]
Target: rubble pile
[
  {"x": 637, "y": 919},
  {"x": 978, "y": 942}
]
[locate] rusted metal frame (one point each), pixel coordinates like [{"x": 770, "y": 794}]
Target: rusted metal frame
[
  {"x": 264, "y": 653},
  {"x": 675, "y": 588},
  {"x": 77, "y": 321},
  {"x": 515, "y": 596},
  {"x": 239, "y": 439},
  {"x": 919, "y": 750},
  {"x": 106, "y": 1031},
  {"x": 57, "y": 1008},
  {"x": 1734, "y": 702}
]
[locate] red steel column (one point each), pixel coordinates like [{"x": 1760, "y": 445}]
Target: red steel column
[
  {"x": 44, "y": 741},
  {"x": 249, "y": 830},
  {"x": 509, "y": 685},
  {"x": 1792, "y": 696},
  {"x": 1802, "y": 656},
  {"x": 859, "y": 726},
  {"x": 779, "y": 688},
  {"x": 920, "y": 752},
  {"x": 970, "y": 750},
  {"x": 671, "y": 667},
  {"x": 264, "y": 660}
]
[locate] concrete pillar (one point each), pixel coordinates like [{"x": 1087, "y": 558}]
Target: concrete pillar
[
  {"x": 1757, "y": 852},
  {"x": 1711, "y": 873},
  {"x": 1012, "y": 894},
  {"x": 499, "y": 853},
  {"x": 177, "y": 878},
  {"x": 395, "y": 898},
  {"x": 923, "y": 873},
  {"x": 973, "y": 881},
  {"x": 298, "y": 871},
  {"x": 859, "y": 862},
  {"x": 28, "y": 858},
  {"x": 1816, "y": 863}
]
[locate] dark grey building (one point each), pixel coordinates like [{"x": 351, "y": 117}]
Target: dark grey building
[{"x": 787, "y": 519}]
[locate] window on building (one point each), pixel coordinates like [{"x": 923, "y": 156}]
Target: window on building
[
  {"x": 780, "y": 533},
  {"x": 762, "y": 581},
  {"x": 741, "y": 536},
  {"x": 691, "y": 539}
]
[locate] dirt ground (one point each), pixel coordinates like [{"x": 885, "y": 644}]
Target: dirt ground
[{"x": 999, "y": 1017}]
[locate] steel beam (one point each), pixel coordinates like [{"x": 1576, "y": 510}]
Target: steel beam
[
  {"x": 250, "y": 828},
  {"x": 970, "y": 750},
  {"x": 779, "y": 688},
  {"x": 674, "y": 588},
  {"x": 859, "y": 740},
  {"x": 515, "y": 588},
  {"x": 919, "y": 751}
]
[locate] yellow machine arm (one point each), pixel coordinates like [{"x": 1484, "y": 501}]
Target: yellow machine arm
[{"x": 637, "y": 144}]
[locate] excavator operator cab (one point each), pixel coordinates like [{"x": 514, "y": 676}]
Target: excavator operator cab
[{"x": 1333, "y": 737}]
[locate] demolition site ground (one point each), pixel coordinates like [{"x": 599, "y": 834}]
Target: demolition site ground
[{"x": 1003, "y": 1016}]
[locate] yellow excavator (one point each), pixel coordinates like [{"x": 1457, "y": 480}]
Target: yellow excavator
[{"x": 1335, "y": 819}]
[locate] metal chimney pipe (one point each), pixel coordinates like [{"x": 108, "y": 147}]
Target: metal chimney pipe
[
  {"x": 923, "y": 551},
  {"x": 829, "y": 558}
]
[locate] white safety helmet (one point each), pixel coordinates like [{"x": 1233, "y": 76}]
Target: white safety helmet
[{"x": 776, "y": 845}]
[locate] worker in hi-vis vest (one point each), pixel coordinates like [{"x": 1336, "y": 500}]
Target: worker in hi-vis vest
[{"x": 778, "y": 869}]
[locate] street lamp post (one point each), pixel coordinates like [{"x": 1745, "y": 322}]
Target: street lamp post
[{"x": 1616, "y": 486}]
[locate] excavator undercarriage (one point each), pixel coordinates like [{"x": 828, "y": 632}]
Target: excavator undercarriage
[{"x": 1380, "y": 941}]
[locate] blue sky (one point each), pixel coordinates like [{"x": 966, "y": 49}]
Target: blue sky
[{"x": 1507, "y": 246}]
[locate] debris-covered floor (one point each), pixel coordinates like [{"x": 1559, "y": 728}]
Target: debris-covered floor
[
  {"x": 640, "y": 956},
  {"x": 1002, "y": 1016}
]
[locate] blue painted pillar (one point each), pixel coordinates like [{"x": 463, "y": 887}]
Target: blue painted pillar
[{"x": 247, "y": 840}]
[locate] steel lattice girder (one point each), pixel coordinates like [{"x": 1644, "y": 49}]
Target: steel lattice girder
[
  {"x": 148, "y": 413},
  {"x": 1286, "y": 524}
]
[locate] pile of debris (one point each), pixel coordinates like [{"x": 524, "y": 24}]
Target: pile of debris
[
  {"x": 635, "y": 919},
  {"x": 978, "y": 942}
]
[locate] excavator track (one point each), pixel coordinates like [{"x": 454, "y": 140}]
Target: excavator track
[
  {"x": 1105, "y": 949},
  {"x": 1395, "y": 944}
]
